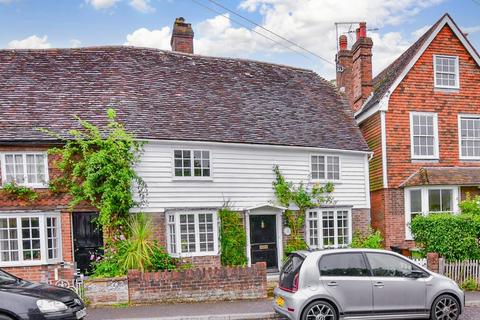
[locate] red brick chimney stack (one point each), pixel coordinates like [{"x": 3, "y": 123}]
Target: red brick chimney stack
[
  {"x": 344, "y": 68},
  {"x": 182, "y": 36},
  {"x": 361, "y": 67}
]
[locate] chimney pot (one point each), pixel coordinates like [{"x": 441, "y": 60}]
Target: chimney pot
[
  {"x": 363, "y": 30},
  {"x": 343, "y": 42}
]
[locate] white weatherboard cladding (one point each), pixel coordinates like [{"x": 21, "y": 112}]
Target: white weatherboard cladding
[{"x": 242, "y": 174}]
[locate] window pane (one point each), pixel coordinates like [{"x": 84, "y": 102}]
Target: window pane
[
  {"x": 52, "y": 238},
  {"x": 8, "y": 240},
  {"x": 423, "y": 133},
  {"x": 206, "y": 231},
  {"x": 434, "y": 201},
  {"x": 31, "y": 238},
  {"x": 386, "y": 265},
  {"x": 470, "y": 137},
  {"x": 328, "y": 224},
  {"x": 343, "y": 265},
  {"x": 187, "y": 232},
  {"x": 416, "y": 201},
  {"x": 318, "y": 167},
  {"x": 446, "y": 71},
  {"x": 446, "y": 200}
]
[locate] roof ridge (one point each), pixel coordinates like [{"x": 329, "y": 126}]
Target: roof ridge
[{"x": 169, "y": 52}]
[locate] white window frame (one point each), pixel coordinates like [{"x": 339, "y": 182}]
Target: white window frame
[
  {"x": 24, "y": 155},
  {"x": 42, "y": 220},
  {"x": 325, "y": 165},
  {"x": 425, "y": 203},
  {"x": 436, "y": 148},
  {"x": 457, "y": 72},
  {"x": 319, "y": 220},
  {"x": 178, "y": 246},
  {"x": 192, "y": 166},
  {"x": 460, "y": 117}
]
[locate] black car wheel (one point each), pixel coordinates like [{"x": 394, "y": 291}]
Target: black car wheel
[
  {"x": 445, "y": 307},
  {"x": 319, "y": 310}
]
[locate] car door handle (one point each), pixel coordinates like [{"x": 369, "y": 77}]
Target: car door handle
[
  {"x": 379, "y": 284},
  {"x": 332, "y": 284}
]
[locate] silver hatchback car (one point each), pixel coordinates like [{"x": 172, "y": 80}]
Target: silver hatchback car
[{"x": 363, "y": 284}]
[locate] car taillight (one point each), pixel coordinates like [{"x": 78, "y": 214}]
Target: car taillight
[{"x": 295, "y": 283}]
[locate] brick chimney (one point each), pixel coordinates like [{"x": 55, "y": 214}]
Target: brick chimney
[
  {"x": 344, "y": 68},
  {"x": 182, "y": 36},
  {"x": 361, "y": 67}
]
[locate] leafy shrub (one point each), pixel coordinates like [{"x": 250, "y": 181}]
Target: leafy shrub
[
  {"x": 372, "y": 240},
  {"x": 455, "y": 237},
  {"x": 469, "y": 285},
  {"x": 21, "y": 192},
  {"x": 470, "y": 205},
  {"x": 233, "y": 238},
  {"x": 160, "y": 260}
]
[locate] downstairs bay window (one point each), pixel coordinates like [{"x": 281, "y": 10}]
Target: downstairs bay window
[
  {"x": 29, "y": 239},
  {"x": 431, "y": 199},
  {"x": 192, "y": 233},
  {"x": 328, "y": 227}
]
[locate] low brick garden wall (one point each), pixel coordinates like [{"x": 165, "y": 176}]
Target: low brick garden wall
[
  {"x": 109, "y": 291},
  {"x": 201, "y": 284}
]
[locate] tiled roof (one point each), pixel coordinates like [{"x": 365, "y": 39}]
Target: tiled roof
[
  {"x": 166, "y": 95},
  {"x": 467, "y": 176},
  {"x": 384, "y": 80}
]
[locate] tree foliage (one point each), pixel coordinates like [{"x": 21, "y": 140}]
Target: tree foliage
[
  {"x": 303, "y": 197},
  {"x": 97, "y": 166},
  {"x": 372, "y": 240},
  {"x": 233, "y": 239}
]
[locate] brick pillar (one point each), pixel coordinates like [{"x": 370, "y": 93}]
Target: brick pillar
[{"x": 433, "y": 261}]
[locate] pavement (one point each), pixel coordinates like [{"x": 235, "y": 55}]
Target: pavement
[{"x": 234, "y": 310}]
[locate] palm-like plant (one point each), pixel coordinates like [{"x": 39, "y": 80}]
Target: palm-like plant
[{"x": 138, "y": 247}]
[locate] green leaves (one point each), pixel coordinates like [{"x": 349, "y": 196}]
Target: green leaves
[
  {"x": 233, "y": 239},
  {"x": 304, "y": 197},
  {"x": 372, "y": 240},
  {"x": 21, "y": 192},
  {"x": 455, "y": 237},
  {"x": 98, "y": 164}
]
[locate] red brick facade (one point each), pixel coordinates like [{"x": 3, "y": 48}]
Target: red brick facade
[{"x": 416, "y": 92}]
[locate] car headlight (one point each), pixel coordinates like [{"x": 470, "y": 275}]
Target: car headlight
[{"x": 47, "y": 306}]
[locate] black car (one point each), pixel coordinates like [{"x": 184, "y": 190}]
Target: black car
[{"x": 20, "y": 299}]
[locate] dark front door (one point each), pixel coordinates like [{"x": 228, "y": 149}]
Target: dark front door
[
  {"x": 263, "y": 239},
  {"x": 87, "y": 239}
]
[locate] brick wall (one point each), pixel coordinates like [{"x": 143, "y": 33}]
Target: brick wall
[
  {"x": 469, "y": 191},
  {"x": 106, "y": 291},
  {"x": 361, "y": 220},
  {"x": 202, "y": 284},
  {"x": 417, "y": 93}
]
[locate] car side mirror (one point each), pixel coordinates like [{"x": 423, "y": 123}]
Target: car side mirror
[{"x": 416, "y": 274}]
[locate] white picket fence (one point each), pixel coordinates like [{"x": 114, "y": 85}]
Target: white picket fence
[
  {"x": 460, "y": 271},
  {"x": 420, "y": 262}
]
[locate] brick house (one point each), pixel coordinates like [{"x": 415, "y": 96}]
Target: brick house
[
  {"x": 421, "y": 118},
  {"x": 214, "y": 128}
]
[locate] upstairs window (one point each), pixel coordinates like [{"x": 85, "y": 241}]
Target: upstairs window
[
  {"x": 192, "y": 163},
  {"x": 325, "y": 167},
  {"x": 28, "y": 169},
  {"x": 424, "y": 135},
  {"x": 446, "y": 72},
  {"x": 469, "y": 137}
]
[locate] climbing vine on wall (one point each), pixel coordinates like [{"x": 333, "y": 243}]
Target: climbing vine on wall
[
  {"x": 97, "y": 166},
  {"x": 233, "y": 238},
  {"x": 303, "y": 197}
]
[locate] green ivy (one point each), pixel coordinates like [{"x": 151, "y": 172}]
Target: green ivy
[
  {"x": 233, "y": 238},
  {"x": 98, "y": 167},
  {"x": 20, "y": 192},
  {"x": 455, "y": 237},
  {"x": 470, "y": 205},
  {"x": 304, "y": 198}
]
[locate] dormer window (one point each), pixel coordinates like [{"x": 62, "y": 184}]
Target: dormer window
[{"x": 446, "y": 72}]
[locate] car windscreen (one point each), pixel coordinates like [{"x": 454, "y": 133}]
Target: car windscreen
[
  {"x": 7, "y": 278},
  {"x": 290, "y": 269}
]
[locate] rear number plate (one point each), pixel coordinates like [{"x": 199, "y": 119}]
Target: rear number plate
[{"x": 280, "y": 302}]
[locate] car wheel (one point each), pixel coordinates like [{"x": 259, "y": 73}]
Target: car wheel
[
  {"x": 319, "y": 310},
  {"x": 445, "y": 307}
]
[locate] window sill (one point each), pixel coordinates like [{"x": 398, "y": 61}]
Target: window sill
[
  {"x": 427, "y": 160},
  {"x": 466, "y": 159},
  {"x": 206, "y": 179},
  {"x": 323, "y": 181},
  {"x": 193, "y": 255},
  {"x": 446, "y": 89},
  {"x": 32, "y": 186},
  {"x": 16, "y": 264}
]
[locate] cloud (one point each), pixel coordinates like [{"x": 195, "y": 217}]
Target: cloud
[
  {"x": 75, "y": 43},
  {"x": 470, "y": 30},
  {"x": 143, "y": 37},
  {"x": 102, "y": 4},
  {"x": 142, "y": 5},
  {"x": 420, "y": 31},
  {"x": 32, "y": 42},
  {"x": 5, "y": 1}
]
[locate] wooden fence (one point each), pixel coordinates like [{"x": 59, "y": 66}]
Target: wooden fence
[
  {"x": 460, "y": 271},
  {"x": 421, "y": 262}
]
